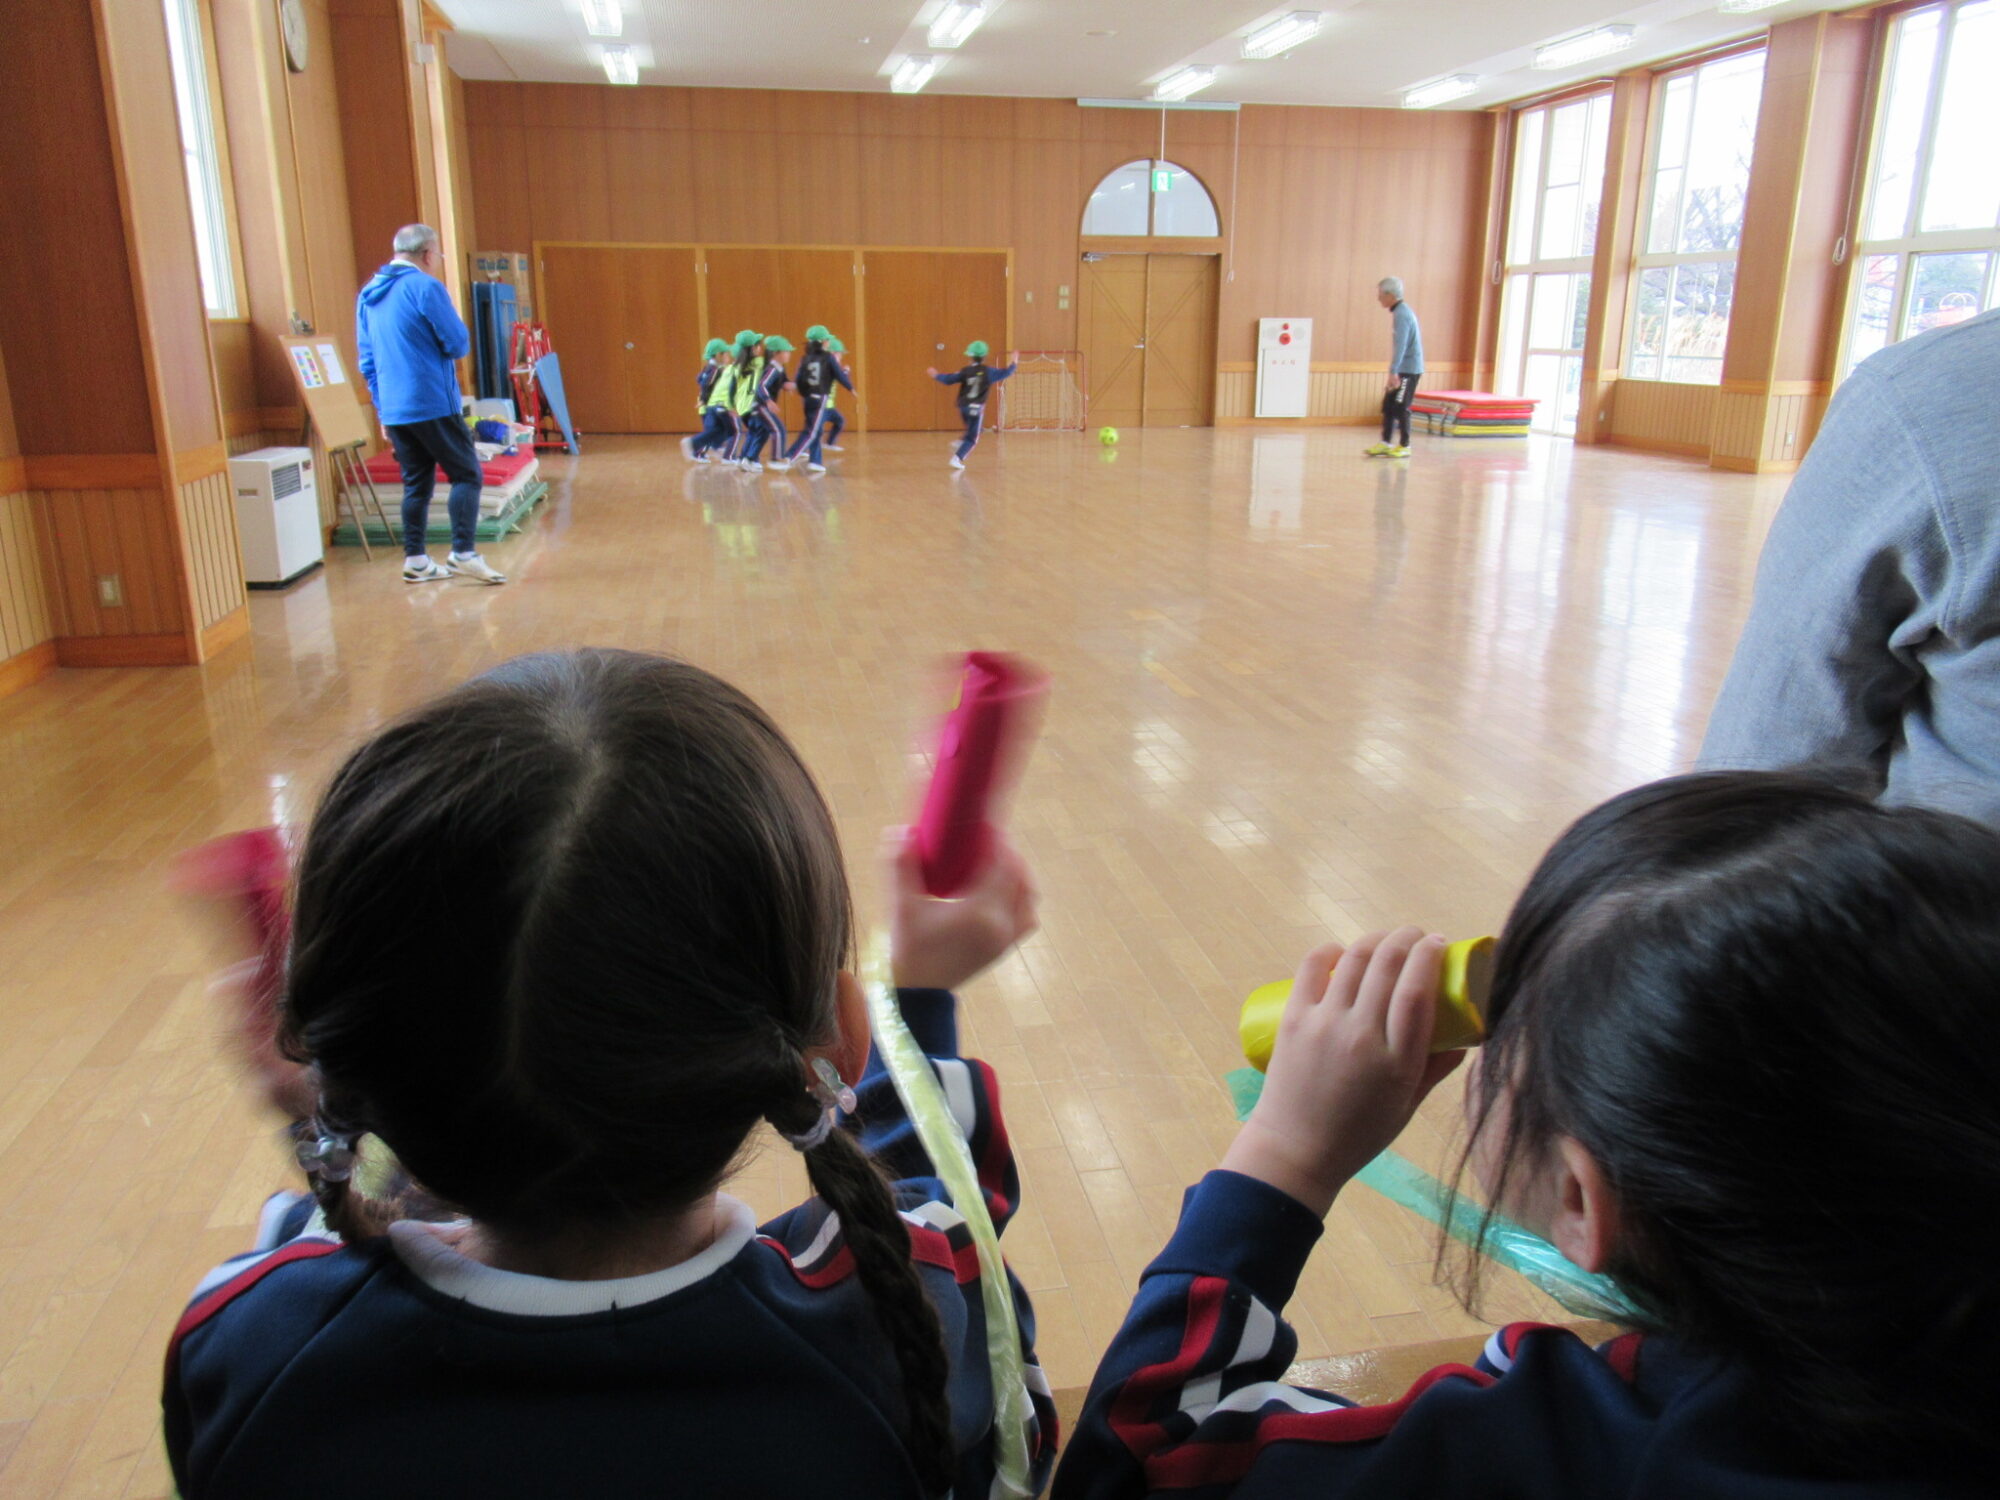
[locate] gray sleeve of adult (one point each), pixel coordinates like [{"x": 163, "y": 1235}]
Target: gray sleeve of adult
[
  {"x": 1853, "y": 580},
  {"x": 1401, "y": 330}
]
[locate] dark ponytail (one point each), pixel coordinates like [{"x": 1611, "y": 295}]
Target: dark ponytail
[
  {"x": 559, "y": 939},
  {"x": 1765, "y": 1005}
]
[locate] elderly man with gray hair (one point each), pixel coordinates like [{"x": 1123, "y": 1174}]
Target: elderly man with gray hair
[
  {"x": 411, "y": 338},
  {"x": 1406, "y": 367}
]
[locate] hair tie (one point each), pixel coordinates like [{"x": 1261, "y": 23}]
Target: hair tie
[
  {"x": 834, "y": 1097},
  {"x": 323, "y": 1152}
]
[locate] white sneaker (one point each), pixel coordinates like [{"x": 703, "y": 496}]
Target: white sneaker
[
  {"x": 835, "y": 448},
  {"x": 751, "y": 466},
  {"x": 472, "y": 565},
  {"x": 704, "y": 458},
  {"x": 421, "y": 569},
  {"x": 815, "y": 468},
  {"x": 781, "y": 463},
  {"x": 957, "y": 462},
  {"x": 687, "y": 449}
]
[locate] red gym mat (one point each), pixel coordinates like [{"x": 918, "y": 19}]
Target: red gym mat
[{"x": 495, "y": 473}]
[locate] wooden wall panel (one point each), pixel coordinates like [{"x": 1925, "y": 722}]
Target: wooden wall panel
[
  {"x": 229, "y": 342},
  {"x": 10, "y": 444},
  {"x": 1664, "y": 417},
  {"x": 174, "y": 319},
  {"x": 582, "y": 296},
  {"x": 900, "y": 335},
  {"x": 58, "y": 168},
  {"x": 371, "y": 71},
  {"x": 124, "y": 531},
  {"x": 25, "y": 621},
  {"x": 1329, "y": 201},
  {"x": 325, "y": 225},
  {"x": 208, "y": 516}
]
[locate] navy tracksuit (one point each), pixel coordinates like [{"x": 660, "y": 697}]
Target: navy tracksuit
[
  {"x": 975, "y": 384},
  {"x": 717, "y": 425},
  {"x": 766, "y": 426},
  {"x": 818, "y": 374}
]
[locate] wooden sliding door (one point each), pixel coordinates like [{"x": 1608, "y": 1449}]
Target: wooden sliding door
[
  {"x": 623, "y": 319},
  {"x": 1149, "y": 339},
  {"x": 923, "y": 308}
]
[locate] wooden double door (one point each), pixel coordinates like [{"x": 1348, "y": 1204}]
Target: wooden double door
[
  {"x": 629, "y": 323},
  {"x": 1149, "y": 339}
]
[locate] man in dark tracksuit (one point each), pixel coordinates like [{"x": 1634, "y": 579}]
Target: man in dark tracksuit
[
  {"x": 1406, "y": 367},
  {"x": 818, "y": 373},
  {"x": 975, "y": 384},
  {"x": 410, "y": 338}
]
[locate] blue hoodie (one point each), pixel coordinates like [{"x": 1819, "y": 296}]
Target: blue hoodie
[{"x": 409, "y": 335}]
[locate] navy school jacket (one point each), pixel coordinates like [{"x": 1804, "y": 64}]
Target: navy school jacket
[
  {"x": 400, "y": 1368},
  {"x": 818, "y": 374},
  {"x": 975, "y": 382},
  {"x": 1189, "y": 1400}
]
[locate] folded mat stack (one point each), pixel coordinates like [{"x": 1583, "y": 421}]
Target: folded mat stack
[
  {"x": 510, "y": 488},
  {"x": 1474, "y": 413}
]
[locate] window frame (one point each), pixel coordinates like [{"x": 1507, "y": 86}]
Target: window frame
[
  {"x": 1914, "y": 241},
  {"x": 191, "y": 19},
  {"x": 1524, "y": 274},
  {"x": 1643, "y": 259},
  {"x": 1154, "y": 164}
]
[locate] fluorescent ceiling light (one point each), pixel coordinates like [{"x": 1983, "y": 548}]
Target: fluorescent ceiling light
[
  {"x": 1584, "y": 46},
  {"x": 604, "y": 17},
  {"x": 913, "y": 72},
  {"x": 1745, "y": 7},
  {"x": 620, "y": 66},
  {"x": 1177, "y": 86},
  {"x": 1440, "y": 91},
  {"x": 1285, "y": 33},
  {"x": 957, "y": 21}
]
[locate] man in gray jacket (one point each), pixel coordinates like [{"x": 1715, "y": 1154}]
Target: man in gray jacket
[
  {"x": 1406, "y": 367},
  {"x": 1874, "y": 638}
]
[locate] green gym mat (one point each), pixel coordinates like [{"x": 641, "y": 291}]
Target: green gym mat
[{"x": 490, "y": 528}]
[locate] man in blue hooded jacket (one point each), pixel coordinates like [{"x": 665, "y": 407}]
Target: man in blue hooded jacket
[{"x": 411, "y": 337}]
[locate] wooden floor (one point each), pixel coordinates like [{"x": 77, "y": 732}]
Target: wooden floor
[{"x": 1299, "y": 693}]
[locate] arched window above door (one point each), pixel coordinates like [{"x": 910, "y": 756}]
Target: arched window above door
[{"x": 1152, "y": 197}]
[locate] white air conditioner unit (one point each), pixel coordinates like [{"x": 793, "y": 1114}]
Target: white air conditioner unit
[{"x": 277, "y": 515}]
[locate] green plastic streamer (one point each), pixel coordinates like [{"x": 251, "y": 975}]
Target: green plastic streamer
[
  {"x": 1505, "y": 1242},
  {"x": 924, "y": 1101}
]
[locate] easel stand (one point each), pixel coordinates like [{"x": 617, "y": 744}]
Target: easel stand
[
  {"x": 333, "y": 409},
  {"x": 355, "y": 479}
]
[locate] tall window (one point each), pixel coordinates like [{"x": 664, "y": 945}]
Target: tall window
[
  {"x": 1551, "y": 234},
  {"x": 1150, "y": 196},
  {"x": 187, "y": 54},
  {"x": 1704, "y": 131},
  {"x": 1930, "y": 231}
]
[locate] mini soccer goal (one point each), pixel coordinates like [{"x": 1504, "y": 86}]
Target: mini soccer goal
[{"x": 1045, "y": 394}]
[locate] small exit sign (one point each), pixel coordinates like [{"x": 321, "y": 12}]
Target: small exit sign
[{"x": 1163, "y": 181}]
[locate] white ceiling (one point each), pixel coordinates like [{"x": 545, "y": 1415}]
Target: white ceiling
[{"x": 1367, "y": 52}]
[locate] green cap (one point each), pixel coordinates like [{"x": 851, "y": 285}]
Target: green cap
[
  {"x": 715, "y": 347},
  {"x": 836, "y": 346},
  {"x": 747, "y": 338},
  {"x": 817, "y": 334},
  {"x": 777, "y": 343},
  {"x": 976, "y": 349}
]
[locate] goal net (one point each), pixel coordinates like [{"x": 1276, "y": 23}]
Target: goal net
[{"x": 1045, "y": 394}]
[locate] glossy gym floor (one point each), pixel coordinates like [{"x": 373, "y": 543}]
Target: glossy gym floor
[{"x": 1299, "y": 694}]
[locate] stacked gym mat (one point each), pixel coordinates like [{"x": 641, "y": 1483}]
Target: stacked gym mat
[{"x": 1474, "y": 414}]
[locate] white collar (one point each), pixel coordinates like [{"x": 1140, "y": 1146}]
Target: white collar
[{"x": 422, "y": 1249}]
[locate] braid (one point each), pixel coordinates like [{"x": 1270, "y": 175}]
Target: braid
[
  {"x": 353, "y": 1216},
  {"x": 847, "y": 1178}
]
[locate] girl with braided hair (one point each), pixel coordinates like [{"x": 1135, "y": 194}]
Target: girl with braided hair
[{"x": 562, "y": 941}]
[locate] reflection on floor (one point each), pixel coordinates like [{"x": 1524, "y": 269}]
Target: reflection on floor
[{"x": 1299, "y": 693}]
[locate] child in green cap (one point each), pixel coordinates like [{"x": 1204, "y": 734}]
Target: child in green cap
[
  {"x": 836, "y": 423},
  {"x": 716, "y": 428},
  {"x": 741, "y": 387},
  {"x": 975, "y": 384},
  {"x": 819, "y": 374},
  {"x": 766, "y": 424}
]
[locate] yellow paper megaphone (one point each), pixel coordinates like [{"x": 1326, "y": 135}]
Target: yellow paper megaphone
[{"x": 1462, "y": 992}]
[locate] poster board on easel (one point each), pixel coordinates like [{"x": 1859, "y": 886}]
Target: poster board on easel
[
  {"x": 333, "y": 407},
  {"x": 320, "y": 370}
]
